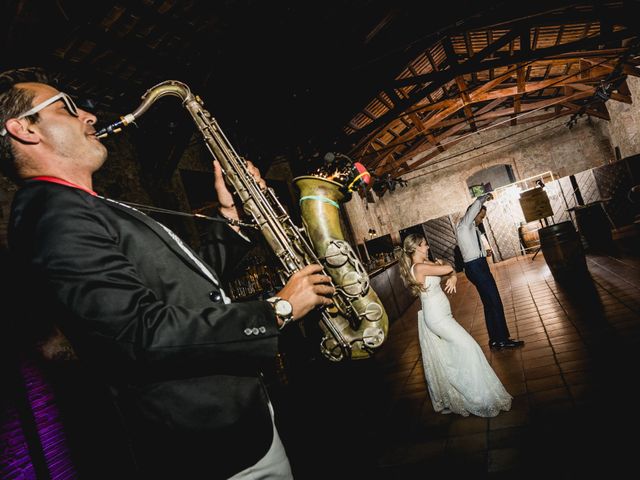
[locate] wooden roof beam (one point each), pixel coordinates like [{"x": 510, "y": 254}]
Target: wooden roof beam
[
  {"x": 477, "y": 92},
  {"x": 481, "y": 94},
  {"x": 525, "y": 38},
  {"x": 534, "y": 86},
  {"x": 467, "y": 44},
  {"x": 406, "y": 157},
  {"x": 438, "y": 78},
  {"x": 464, "y": 96},
  {"x": 476, "y": 63},
  {"x": 595, "y": 112},
  {"x": 419, "y": 148},
  {"x": 617, "y": 96},
  {"x": 518, "y": 96}
]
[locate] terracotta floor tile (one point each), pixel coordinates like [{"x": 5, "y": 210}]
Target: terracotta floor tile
[
  {"x": 546, "y": 383},
  {"x": 531, "y": 363},
  {"x": 571, "y": 355},
  {"x": 504, "y": 459},
  {"x": 541, "y": 372},
  {"x": 467, "y": 425},
  {"x": 568, "y": 347},
  {"x": 530, "y": 353},
  {"x": 377, "y": 415}
]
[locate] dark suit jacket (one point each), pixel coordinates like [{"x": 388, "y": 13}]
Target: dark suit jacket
[{"x": 183, "y": 366}]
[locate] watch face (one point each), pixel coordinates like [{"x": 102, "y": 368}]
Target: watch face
[{"x": 283, "y": 308}]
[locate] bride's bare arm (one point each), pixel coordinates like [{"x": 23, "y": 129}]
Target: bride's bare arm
[{"x": 431, "y": 269}]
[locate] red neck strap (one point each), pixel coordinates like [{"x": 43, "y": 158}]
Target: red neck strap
[{"x": 64, "y": 182}]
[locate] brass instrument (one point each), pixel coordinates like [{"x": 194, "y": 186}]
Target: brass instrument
[{"x": 355, "y": 324}]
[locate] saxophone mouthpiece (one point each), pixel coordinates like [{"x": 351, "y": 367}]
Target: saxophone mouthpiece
[
  {"x": 110, "y": 129},
  {"x": 116, "y": 127}
]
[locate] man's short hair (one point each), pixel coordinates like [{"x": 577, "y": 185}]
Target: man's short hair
[{"x": 13, "y": 102}]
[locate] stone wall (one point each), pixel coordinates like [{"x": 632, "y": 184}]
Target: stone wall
[
  {"x": 624, "y": 127},
  {"x": 440, "y": 188}
]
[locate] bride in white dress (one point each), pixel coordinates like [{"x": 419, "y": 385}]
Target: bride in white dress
[{"x": 458, "y": 376}]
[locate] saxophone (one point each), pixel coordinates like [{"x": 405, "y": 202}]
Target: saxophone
[{"x": 355, "y": 323}]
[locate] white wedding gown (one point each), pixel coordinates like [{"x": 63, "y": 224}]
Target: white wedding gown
[{"x": 459, "y": 378}]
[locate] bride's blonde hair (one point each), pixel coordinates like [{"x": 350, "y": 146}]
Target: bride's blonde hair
[{"x": 411, "y": 242}]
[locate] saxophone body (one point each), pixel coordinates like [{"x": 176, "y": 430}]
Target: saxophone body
[
  {"x": 355, "y": 324},
  {"x": 357, "y": 313}
]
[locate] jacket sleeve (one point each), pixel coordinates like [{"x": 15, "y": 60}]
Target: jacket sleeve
[{"x": 77, "y": 258}]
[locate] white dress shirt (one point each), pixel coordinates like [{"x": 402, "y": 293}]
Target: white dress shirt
[{"x": 467, "y": 233}]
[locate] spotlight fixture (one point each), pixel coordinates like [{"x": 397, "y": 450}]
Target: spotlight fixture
[
  {"x": 603, "y": 92},
  {"x": 382, "y": 184}
]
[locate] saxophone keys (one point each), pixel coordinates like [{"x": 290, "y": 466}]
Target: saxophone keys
[
  {"x": 334, "y": 255},
  {"x": 373, "y": 312},
  {"x": 373, "y": 337},
  {"x": 353, "y": 284}
]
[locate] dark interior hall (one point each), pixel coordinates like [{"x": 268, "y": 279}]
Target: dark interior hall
[{"x": 437, "y": 104}]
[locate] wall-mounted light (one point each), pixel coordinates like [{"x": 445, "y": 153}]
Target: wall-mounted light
[
  {"x": 603, "y": 91},
  {"x": 386, "y": 182}
]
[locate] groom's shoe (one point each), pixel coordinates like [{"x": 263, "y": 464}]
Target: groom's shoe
[{"x": 508, "y": 343}]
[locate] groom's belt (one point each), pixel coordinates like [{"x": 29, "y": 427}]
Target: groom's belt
[{"x": 475, "y": 259}]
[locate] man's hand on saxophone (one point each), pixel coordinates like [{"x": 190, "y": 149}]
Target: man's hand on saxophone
[
  {"x": 307, "y": 289},
  {"x": 228, "y": 208},
  {"x": 293, "y": 246}
]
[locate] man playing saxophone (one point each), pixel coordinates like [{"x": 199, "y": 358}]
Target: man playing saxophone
[
  {"x": 145, "y": 315},
  {"x": 355, "y": 324}
]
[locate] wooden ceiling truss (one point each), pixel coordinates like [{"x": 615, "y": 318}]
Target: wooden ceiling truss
[{"x": 533, "y": 70}]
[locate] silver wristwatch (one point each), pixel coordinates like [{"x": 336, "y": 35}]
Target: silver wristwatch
[{"x": 282, "y": 309}]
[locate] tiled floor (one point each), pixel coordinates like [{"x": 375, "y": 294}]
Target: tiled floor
[{"x": 573, "y": 385}]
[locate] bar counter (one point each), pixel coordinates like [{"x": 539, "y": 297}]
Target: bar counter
[{"x": 386, "y": 282}]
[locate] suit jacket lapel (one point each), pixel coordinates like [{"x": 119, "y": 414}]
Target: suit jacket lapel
[{"x": 164, "y": 236}]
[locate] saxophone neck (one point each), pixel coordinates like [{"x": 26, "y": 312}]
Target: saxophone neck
[
  {"x": 151, "y": 96},
  {"x": 163, "y": 89}
]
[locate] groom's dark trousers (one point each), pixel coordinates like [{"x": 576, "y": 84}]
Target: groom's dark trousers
[{"x": 479, "y": 274}]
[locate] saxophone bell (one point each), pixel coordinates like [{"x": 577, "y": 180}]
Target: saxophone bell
[{"x": 339, "y": 168}]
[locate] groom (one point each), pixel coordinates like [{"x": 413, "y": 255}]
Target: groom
[{"x": 477, "y": 270}]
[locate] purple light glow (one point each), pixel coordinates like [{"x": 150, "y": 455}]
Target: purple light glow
[{"x": 19, "y": 452}]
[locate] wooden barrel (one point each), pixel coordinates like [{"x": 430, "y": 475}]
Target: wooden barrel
[
  {"x": 529, "y": 236},
  {"x": 562, "y": 250},
  {"x": 594, "y": 226}
]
